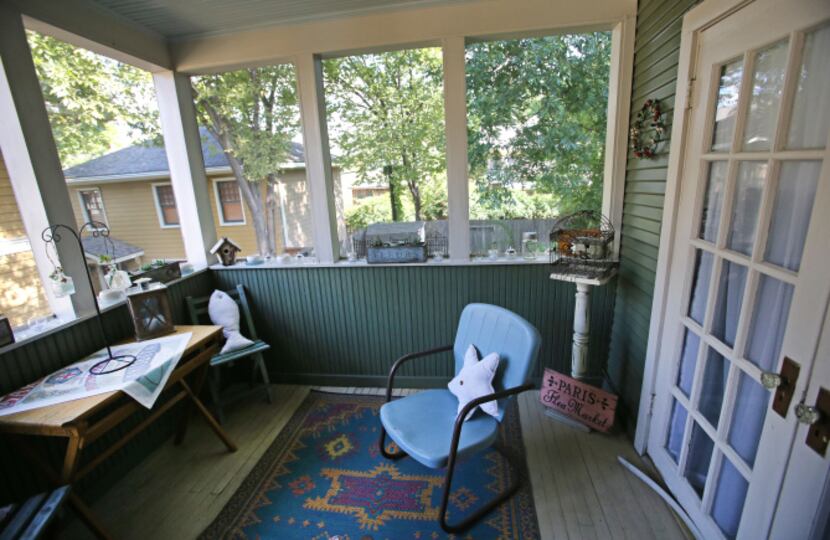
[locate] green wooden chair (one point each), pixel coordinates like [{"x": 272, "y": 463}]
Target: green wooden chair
[{"x": 198, "y": 309}]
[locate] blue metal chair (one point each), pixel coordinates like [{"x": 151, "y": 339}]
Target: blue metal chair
[{"x": 425, "y": 425}]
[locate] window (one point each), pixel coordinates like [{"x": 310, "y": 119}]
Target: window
[
  {"x": 229, "y": 202},
  {"x": 166, "y": 205},
  {"x": 385, "y": 114},
  {"x": 536, "y": 119},
  {"x": 250, "y": 123},
  {"x": 92, "y": 205}
]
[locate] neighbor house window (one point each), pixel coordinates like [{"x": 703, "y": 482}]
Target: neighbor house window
[
  {"x": 536, "y": 122},
  {"x": 92, "y": 205},
  {"x": 229, "y": 203},
  {"x": 385, "y": 114},
  {"x": 166, "y": 205}
]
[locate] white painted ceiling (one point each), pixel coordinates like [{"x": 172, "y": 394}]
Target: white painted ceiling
[{"x": 177, "y": 19}]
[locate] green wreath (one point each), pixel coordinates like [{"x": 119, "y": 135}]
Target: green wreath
[{"x": 649, "y": 119}]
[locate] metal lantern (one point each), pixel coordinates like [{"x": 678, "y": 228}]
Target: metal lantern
[
  {"x": 582, "y": 244},
  {"x": 150, "y": 310}
]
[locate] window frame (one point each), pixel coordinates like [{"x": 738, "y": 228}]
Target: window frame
[
  {"x": 220, "y": 212},
  {"x": 160, "y": 211},
  {"x": 85, "y": 210}
]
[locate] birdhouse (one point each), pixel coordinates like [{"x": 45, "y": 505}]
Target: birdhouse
[
  {"x": 226, "y": 250},
  {"x": 150, "y": 310}
]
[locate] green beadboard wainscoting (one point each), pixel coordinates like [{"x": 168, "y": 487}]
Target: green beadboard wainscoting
[
  {"x": 347, "y": 325},
  {"x": 656, "y": 51},
  {"x": 24, "y": 363}
]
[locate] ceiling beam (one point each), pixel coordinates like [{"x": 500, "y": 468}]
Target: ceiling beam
[
  {"x": 85, "y": 24},
  {"x": 422, "y": 26}
]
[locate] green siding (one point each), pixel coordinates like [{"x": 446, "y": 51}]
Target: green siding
[
  {"x": 656, "y": 53},
  {"x": 347, "y": 325},
  {"x": 28, "y": 362}
]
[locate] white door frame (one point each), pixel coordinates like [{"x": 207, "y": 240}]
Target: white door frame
[{"x": 695, "y": 21}]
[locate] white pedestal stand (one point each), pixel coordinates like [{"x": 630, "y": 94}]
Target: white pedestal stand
[{"x": 580, "y": 369}]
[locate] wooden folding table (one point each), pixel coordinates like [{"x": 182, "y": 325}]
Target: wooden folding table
[{"x": 83, "y": 421}]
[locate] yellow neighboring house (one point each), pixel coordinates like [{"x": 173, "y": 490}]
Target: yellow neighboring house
[
  {"x": 130, "y": 191},
  {"x": 21, "y": 293}
]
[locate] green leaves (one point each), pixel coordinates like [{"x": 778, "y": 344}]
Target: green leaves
[
  {"x": 255, "y": 111},
  {"x": 536, "y": 119},
  {"x": 92, "y": 99}
]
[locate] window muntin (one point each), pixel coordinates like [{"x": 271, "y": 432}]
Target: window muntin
[
  {"x": 166, "y": 205},
  {"x": 92, "y": 205},
  {"x": 229, "y": 202}
]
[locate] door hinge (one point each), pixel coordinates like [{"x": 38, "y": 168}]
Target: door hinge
[{"x": 689, "y": 92}]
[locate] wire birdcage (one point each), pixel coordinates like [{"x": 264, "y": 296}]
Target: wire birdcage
[{"x": 582, "y": 244}]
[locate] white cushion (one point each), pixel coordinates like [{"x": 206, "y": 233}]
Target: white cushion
[
  {"x": 224, "y": 312},
  {"x": 475, "y": 380}
]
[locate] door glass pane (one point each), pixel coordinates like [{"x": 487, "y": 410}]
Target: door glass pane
[
  {"x": 791, "y": 212},
  {"x": 811, "y": 111},
  {"x": 767, "y": 84},
  {"x": 700, "y": 454},
  {"x": 769, "y": 321},
  {"x": 700, "y": 285},
  {"x": 713, "y": 386},
  {"x": 686, "y": 373},
  {"x": 674, "y": 438},
  {"x": 746, "y": 205},
  {"x": 748, "y": 418},
  {"x": 728, "y": 504},
  {"x": 713, "y": 202},
  {"x": 728, "y": 303},
  {"x": 727, "y": 107}
]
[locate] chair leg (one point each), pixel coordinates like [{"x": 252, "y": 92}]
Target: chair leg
[
  {"x": 382, "y": 443},
  {"x": 214, "y": 380},
  {"x": 259, "y": 361},
  {"x": 499, "y": 499}
]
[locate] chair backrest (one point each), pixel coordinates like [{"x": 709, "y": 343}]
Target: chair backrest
[
  {"x": 495, "y": 329},
  {"x": 198, "y": 309}
]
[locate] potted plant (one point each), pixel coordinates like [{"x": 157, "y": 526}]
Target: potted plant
[
  {"x": 396, "y": 252},
  {"x": 62, "y": 285},
  {"x": 159, "y": 270}
]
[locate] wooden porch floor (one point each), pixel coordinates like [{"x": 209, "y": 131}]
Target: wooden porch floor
[{"x": 579, "y": 489}]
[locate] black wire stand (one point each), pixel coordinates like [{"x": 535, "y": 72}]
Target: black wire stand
[{"x": 51, "y": 235}]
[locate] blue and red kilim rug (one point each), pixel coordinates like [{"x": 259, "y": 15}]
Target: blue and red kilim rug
[{"x": 323, "y": 477}]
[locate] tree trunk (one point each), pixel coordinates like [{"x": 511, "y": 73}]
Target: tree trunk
[{"x": 271, "y": 211}]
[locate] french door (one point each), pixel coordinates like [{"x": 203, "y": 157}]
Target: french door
[{"x": 749, "y": 276}]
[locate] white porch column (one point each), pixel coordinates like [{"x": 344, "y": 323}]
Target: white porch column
[
  {"x": 455, "y": 118},
  {"x": 183, "y": 146},
  {"x": 34, "y": 167},
  {"x": 317, "y": 157},
  {"x": 582, "y": 329}
]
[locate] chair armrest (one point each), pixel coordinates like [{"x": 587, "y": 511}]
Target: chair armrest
[
  {"x": 459, "y": 421},
  {"x": 405, "y": 358}
]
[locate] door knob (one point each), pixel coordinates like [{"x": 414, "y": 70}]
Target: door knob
[
  {"x": 771, "y": 380},
  {"x": 807, "y": 414}
]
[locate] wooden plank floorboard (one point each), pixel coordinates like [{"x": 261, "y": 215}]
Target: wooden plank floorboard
[{"x": 579, "y": 489}]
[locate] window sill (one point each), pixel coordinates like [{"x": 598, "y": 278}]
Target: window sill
[
  {"x": 478, "y": 261},
  {"x": 60, "y": 325}
]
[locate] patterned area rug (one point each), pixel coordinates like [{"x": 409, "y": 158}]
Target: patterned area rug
[{"x": 323, "y": 478}]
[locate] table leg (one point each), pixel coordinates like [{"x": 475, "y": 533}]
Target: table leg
[
  {"x": 201, "y": 376},
  {"x": 209, "y": 417},
  {"x": 582, "y": 323},
  {"x": 88, "y": 517},
  {"x": 71, "y": 458}
]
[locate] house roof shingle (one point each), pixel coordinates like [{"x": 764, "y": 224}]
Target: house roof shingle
[
  {"x": 149, "y": 159},
  {"x": 113, "y": 247}
]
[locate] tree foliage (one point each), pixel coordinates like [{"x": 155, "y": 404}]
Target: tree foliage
[
  {"x": 254, "y": 114},
  {"x": 91, "y": 99},
  {"x": 386, "y": 115},
  {"x": 536, "y": 112}
]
